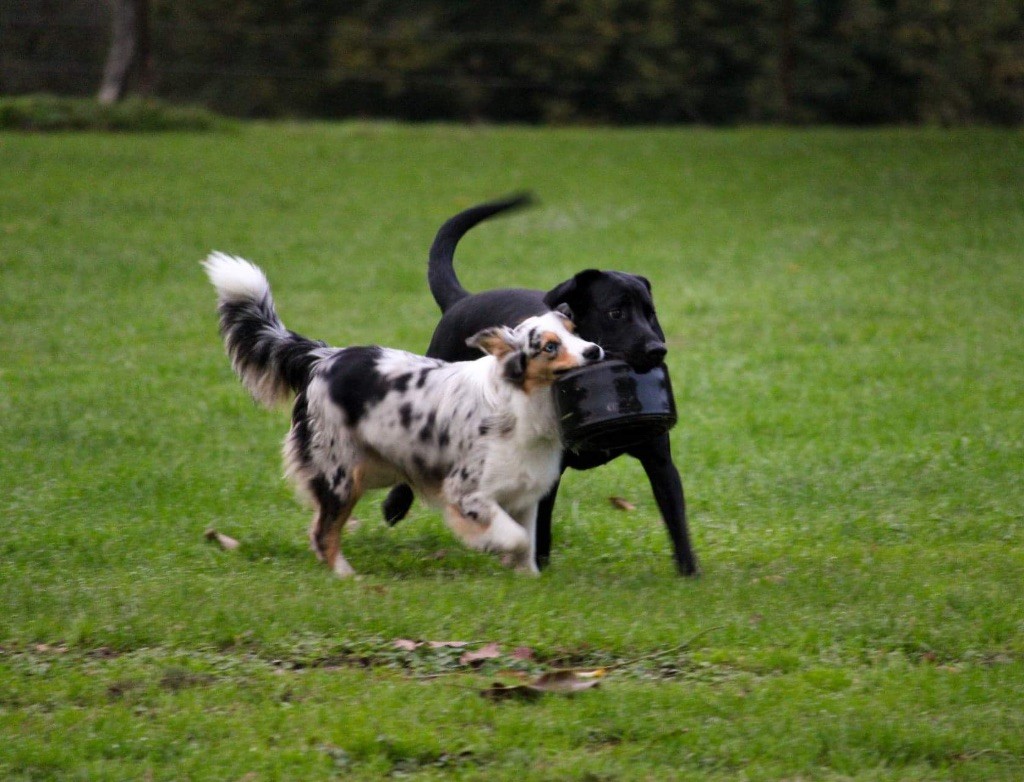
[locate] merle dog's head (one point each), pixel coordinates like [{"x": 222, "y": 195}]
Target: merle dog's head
[
  {"x": 533, "y": 354},
  {"x": 616, "y": 311}
]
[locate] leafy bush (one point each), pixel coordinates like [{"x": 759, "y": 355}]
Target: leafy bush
[{"x": 52, "y": 113}]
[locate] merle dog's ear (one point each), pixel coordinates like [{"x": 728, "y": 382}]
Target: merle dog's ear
[
  {"x": 515, "y": 366},
  {"x": 564, "y": 309},
  {"x": 496, "y": 341},
  {"x": 569, "y": 291}
]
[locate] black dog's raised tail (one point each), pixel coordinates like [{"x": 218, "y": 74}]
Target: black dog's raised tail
[
  {"x": 444, "y": 285},
  {"x": 271, "y": 361}
]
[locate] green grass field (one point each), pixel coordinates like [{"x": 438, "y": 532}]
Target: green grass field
[{"x": 846, "y": 321}]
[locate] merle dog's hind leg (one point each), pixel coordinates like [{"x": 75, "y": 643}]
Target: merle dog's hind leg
[
  {"x": 334, "y": 498},
  {"x": 656, "y": 457},
  {"x": 397, "y": 503}
]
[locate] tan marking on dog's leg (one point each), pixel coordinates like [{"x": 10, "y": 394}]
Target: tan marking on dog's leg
[
  {"x": 314, "y": 536},
  {"x": 335, "y": 559},
  {"x": 325, "y": 533},
  {"x": 492, "y": 530},
  {"x": 468, "y": 530}
]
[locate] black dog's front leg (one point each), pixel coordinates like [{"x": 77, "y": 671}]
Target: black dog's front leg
[
  {"x": 397, "y": 503},
  {"x": 656, "y": 457},
  {"x": 545, "y": 509}
]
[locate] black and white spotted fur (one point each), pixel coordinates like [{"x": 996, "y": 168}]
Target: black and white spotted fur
[{"x": 479, "y": 439}]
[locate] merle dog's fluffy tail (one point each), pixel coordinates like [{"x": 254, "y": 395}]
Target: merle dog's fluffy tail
[
  {"x": 444, "y": 285},
  {"x": 272, "y": 362}
]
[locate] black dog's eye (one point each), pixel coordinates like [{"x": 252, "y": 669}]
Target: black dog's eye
[
  {"x": 615, "y": 314},
  {"x": 550, "y": 347}
]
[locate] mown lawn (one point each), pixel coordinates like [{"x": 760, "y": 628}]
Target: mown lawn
[{"x": 846, "y": 321}]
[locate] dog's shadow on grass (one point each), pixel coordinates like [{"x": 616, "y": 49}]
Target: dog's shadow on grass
[{"x": 421, "y": 546}]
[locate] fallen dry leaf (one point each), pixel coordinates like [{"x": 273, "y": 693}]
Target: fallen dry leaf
[
  {"x": 622, "y": 503},
  {"x": 407, "y": 645},
  {"x": 226, "y": 543},
  {"x": 560, "y": 682},
  {"x": 488, "y": 652},
  {"x": 567, "y": 681}
]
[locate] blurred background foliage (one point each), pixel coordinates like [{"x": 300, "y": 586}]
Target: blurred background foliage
[{"x": 947, "y": 62}]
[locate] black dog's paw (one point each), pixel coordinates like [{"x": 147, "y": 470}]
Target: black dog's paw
[
  {"x": 397, "y": 504},
  {"x": 688, "y": 567}
]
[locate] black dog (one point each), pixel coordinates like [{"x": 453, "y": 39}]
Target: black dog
[{"x": 613, "y": 309}]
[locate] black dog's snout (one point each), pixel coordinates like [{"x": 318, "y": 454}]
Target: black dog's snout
[
  {"x": 593, "y": 353},
  {"x": 656, "y": 352}
]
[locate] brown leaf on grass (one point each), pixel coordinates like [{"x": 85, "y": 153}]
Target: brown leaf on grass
[
  {"x": 559, "y": 682},
  {"x": 407, "y": 645},
  {"x": 567, "y": 681},
  {"x": 622, "y": 503},
  {"x": 522, "y": 653},
  {"x": 488, "y": 652},
  {"x": 226, "y": 543}
]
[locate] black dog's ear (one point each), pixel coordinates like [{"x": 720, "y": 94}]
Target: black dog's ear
[
  {"x": 645, "y": 281},
  {"x": 560, "y": 293},
  {"x": 515, "y": 367},
  {"x": 564, "y": 309},
  {"x": 569, "y": 290}
]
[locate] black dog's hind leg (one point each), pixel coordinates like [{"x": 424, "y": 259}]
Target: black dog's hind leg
[
  {"x": 542, "y": 530},
  {"x": 397, "y": 503},
  {"x": 656, "y": 457}
]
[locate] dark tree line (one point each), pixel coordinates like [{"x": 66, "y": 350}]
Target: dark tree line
[{"x": 658, "y": 61}]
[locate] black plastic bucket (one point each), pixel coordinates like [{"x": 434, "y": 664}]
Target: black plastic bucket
[{"x": 607, "y": 405}]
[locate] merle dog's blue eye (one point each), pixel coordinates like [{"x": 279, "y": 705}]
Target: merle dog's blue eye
[{"x": 550, "y": 347}]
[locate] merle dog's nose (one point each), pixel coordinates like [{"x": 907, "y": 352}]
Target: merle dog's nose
[
  {"x": 656, "y": 352},
  {"x": 593, "y": 353}
]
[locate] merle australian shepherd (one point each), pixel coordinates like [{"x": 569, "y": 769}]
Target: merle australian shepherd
[{"x": 478, "y": 439}]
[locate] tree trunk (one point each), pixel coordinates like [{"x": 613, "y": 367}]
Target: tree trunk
[
  {"x": 130, "y": 56},
  {"x": 787, "y": 56}
]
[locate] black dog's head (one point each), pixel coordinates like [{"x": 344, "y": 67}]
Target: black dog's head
[{"x": 616, "y": 311}]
